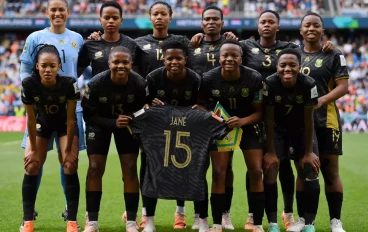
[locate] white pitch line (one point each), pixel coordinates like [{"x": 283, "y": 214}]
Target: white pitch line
[{"x": 11, "y": 143}]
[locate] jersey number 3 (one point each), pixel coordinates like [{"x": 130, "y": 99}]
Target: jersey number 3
[{"x": 178, "y": 144}]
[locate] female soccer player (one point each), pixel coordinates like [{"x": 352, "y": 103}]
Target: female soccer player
[
  {"x": 68, "y": 44},
  {"x": 50, "y": 101},
  {"x": 238, "y": 89},
  {"x": 110, "y": 98},
  {"x": 331, "y": 74}
]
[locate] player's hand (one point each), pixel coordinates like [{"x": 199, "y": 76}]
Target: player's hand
[
  {"x": 69, "y": 158},
  {"x": 320, "y": 103},
  {"x": 31, "y": 157},
  {"x": 312, "y": 159},
  {"x": 156, "y": 102},
  {"x": 146, "y": 106},
  {"x": 122, "y": 121},
  {"x": 234, "y": 122},
  {"x": 230, "y": 35},
  {"x": 268, "y": 160},
  {"x": 196, "y": 40},
  {"x": 95, "y": 35},
  {"x": 328, "y": 47}
]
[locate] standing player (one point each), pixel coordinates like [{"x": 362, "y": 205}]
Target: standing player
[
  {"x": 68, "y": 44},
  {"x": 175, "y": 85},
  {"x": 110, "y": 98},
  {"x": 238, "y": 89},
  {"x": 96, "y": 52},
  {"x": 331, "y": 74},
  {"x": 50, "y": 101},
  {"x": 290, "y": 98}
]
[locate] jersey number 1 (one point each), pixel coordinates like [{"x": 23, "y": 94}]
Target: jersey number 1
[{"x": 178, "y": 144}]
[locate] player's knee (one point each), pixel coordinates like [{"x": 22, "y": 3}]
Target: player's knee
[
  {"x": 70, "y": 168},
  {"x": 218, "y": 175},
  {"x": 271, "y": 176},
  {"x": 309, "y": 172},
  {"x": 330, "y": 174},
  {"x": 95, "y": 171},
  {"x": 255, "y": 174},
  {"x": 32, "y": 168}
]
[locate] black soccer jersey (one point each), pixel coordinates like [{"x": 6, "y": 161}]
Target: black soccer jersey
[
  {"x": 104, "y": 101},
  {"x": 178, "y": 94},
  {"x": 205, "y": 57},
  {"x": 289, "y": 103},
  {"x": 153, "y": 59},
  {"x": 264, "y": 60},
  {"x": 50, "y": 105},
  {"x": 176, "y": 141},
  {"x": 325, "y": 69},
  {"x": 96, "y": 53},
  {"x": 237, "y": 96}
]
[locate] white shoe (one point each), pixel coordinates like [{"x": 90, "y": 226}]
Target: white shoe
[
  {"x": 131, "y": 226},
  {"x": 298, "y": 226},
  {"x": 258, "y": 228},
  {"x": 195, "y": 225},
  {"x": 215, "y": 228},
  {"x": 226, "y": 221},
  {"x": 150, "y": 225},
  {"x": 91, "y": 227},
  {"x": 203, "y": 225},
  {"x": 336, "y": 226}
]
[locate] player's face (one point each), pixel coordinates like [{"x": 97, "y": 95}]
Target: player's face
[
  {"x": 111, "y": 19},
  {"x": 174, "y": 61},
  {"x": 211, "y": 22},
  {"x": 58, "y": 13},
  {"x": 267, "y": 25},
  {"x": 230, "y": 57},
  {"x": 120, "y": 64},
  {"x": 288, "y": 68},
  {"x": 160, "y": 17},
  {"x": 48, "y": 65},
  {"x": 311, "y": 29}
]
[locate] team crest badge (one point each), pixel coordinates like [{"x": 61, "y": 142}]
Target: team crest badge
[
  {"x": 37, "y": 99},
  {"x": 318, "y": 63},
  {"x": 306, "y": 59},
  {"x": 25, "y": 48},
  {"x": 216, "y": 93},
  {"x": 160, "y": 42},
  {"x": 278, "y": 98},
  {"x": 49, "y": 98},
  {"x": 197, "y": 51},
  {"x": 188, "y": 95},
  {"x": 299, "y": 99},
  {"x": 130, "y": 98},
  {"x": 147, "y": 47},
  {"x": 91, "y": 136},
  {"x": 211, "y": 47},
  {"x": 161, "y": 93},
  {"x": 245, "y": 92},
  {"x": 231, "y": 89},
  {"x": 267, "y": 50},
  {"x": 98, "y": 55},
  {"x": 117, "y": 97},
  {"x": 38, "y": 127},
  {"x": 102, "y": 99},
  {"x": 62, "y": 99},
  {"x": 255, "y": 50},
  {"x": 175, "y": 92},
  {"x": 61, "y": 42},
  {"x": 278, "y": 51},
  {"x": 74, "y": 44}
]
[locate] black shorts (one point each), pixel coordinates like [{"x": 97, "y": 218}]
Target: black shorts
[
  {"x": 44, "y": 130},
  {"x": 98, "y": 141},
  {"x": 291, "y": 145},
  {"x": 329, "y": 141}
]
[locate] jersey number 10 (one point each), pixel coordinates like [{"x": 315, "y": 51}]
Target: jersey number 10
[{"x": 178, "y": 144}]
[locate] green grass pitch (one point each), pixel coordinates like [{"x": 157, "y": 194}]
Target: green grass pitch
[{"x": 50, "y": 200}]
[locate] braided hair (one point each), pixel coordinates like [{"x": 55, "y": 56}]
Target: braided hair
[{"x": 42, "y": 49}]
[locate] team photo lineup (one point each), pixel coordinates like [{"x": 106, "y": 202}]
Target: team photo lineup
[{"x": 178, "y": 108}]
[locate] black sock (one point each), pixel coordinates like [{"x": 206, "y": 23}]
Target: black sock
[
  {"x": 247, "y": 187},
  {"x": 257, "y": 199},
  {"x": 93, "y": 204},
  {"x": 271, "y": 195},
  {"x": 334, "y": 200},
  {"x": 197, "y": 207},
  {"x": 72, "y": 195},
  {"x": 217, "y": 205},
  {"x": 287, "y": 180},
  {"x": 203, "y": 207},
  {"x": 300, "y": 203},
  {"x": 131, "y": 205},
  {"x": 151, "y": 206},
  {"x": 180, "y": 203},
  {"x": 29, "y": 192},
  {"x": 311, "y": 199},
  {"x": 229, "y": 197}
]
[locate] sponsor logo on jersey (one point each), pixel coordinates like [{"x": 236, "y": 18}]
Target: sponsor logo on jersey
[
  {"x": 62, "y": 99},
  {"x": 231, "y": 89},
  {"x": 175, "y": 92},
  {"x": 49, "y": 98},
  {"x": 318, "y": 63},
  {"x": 245, "y": 92},
  {"x": 188, "y": 95},
  {"x": 299, "y": 99},
  {"x": 278, "y": 98},
  {"x": 130, "y": 98},
  {"x": 102, "y": 99},
  {"x": 61, "y": 42},
  {"x": 91, "y": 136},
  {"x": 216, "y": 93},
  {"x": 278, "y": 51},
  {"x": 306, "y": 59},
  {"x": 147, "y": 47},
  {"x": 161, "y": 93},
  {"x": 211, "y": 48},
  {"x": 37, "y": 99},
  {"x": 74, "y": 44},
  {"x": 98, "y": 55},
  {"x": 255, "y": 50},
  {"x": 197, "y": 51}
]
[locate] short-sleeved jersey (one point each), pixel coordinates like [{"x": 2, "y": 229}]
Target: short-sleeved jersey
[
  {"x": 178, "y": 94},
  {"x": 104, "y": 101},
  {"x": 50, "y": 105},
  {"x": 96, "y": 53},
  {"x": 154, "y": 57},
  {"x": 264, "y": 60},
  {"x": 289, "y": 104},
  {"x": 325, "y": 69},
  {"x": 205, "y": 57},
  {"x": 236, "y": 96},
  {"x": 176, "y": 141}
]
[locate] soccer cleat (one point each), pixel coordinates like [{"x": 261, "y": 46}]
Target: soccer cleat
[
  {"x": 203, "y": 225},
  {"x": 258, "y": 228},
  {"x": 91, "y": 227},
  {"x": 64, "y": 215},
  {"x": 226, "y": 221},
  {"x": 72, "y": 227},
  {"x": 288, "y": 219},
  {"x": 180, "y": 221},
  {"x": 131, "y": 227},
  {"x": 150, "y": 226},
  {"x": 215, "y": 228},
  {"x": 86, "y": 220},
  {"x": 336, "y": 225},
  {"x": 249, "y": 225},
  {"x": 195, "y": 225},
  {"x": 124, "y": 218},
  {"x": 35, "y": 215},
  {"x": 273, "y": 227},
  {"x": 28, "y": 226},
  {"x": 142, "y": 224},
  {"x": 309, "y": 228},
  {"x": 298, "y": 226}
]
